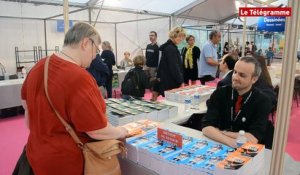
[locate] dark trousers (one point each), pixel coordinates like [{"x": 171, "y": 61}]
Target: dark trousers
[
  {"x": 206, "y": 78},
  {"x": 108, "y": 85}
]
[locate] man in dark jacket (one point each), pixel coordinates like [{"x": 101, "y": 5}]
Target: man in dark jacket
[
  {"x": 226, "y": 67},
  {"x": 99, "y": 70}
]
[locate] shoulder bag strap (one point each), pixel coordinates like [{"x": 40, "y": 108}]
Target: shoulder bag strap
[{"x": 67, "y": 126}]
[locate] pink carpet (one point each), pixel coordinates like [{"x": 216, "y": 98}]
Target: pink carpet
[{"x": 14, "y": 136}]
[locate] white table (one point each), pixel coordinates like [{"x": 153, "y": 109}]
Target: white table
[
  {"x": 128, "y": 167},
  {"x": 10, "y": 93},
  {"x": 183, "y": 116}
]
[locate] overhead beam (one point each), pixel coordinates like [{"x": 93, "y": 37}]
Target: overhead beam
[
  {"x": 74, "y": 11},
  {"x": 48, "y": 2},
  {"x": 16, "y": 17},
  {"x": 197, "y": 18},
  {"x": 92, "y": 3},
  {"x": 146, "y": 19},
  {"x": 188, "y": 7},
  {"x": 143, "y": 12}
]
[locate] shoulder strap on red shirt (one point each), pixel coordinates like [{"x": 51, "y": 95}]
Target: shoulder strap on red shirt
[{"x": 67, "y": 126}]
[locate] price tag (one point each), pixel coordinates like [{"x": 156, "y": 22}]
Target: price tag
[{"x": 170, "y": 137}]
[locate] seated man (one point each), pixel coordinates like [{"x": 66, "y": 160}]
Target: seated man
[
  {"x": 238, "y": 107},
  {"x": 226, "y": 67}
]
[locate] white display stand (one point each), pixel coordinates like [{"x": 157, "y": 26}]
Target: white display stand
[{"x": 10, "y": 93}]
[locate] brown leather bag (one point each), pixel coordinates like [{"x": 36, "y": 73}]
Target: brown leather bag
[{"x": 100, "y": 157}]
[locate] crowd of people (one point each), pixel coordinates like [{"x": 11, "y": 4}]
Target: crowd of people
[{"x": 242, "y": 101}]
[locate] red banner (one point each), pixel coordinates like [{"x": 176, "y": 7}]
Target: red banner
[
  {"x": 170, "y": 137},
  {"x": 265, "y": 11}
]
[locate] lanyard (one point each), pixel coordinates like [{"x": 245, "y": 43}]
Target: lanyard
[{"x": 233, "y": 119}]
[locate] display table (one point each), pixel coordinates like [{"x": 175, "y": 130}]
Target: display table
[
  {"x": 118, "y": 77},
  {"x": 130, "y": 168},
  {"x": 182, "y": 116},
  {"x": 10, "y": 93}
]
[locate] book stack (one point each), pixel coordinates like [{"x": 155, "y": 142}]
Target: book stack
[
  {"x": 134, "y": 143},
  {"x": 180, "y": 94},
  {"x": 196, "y": 157},
  {"x": 154, "y": 155},
  {"x": 121, "y": 111},
  {"x": 199, "y": 158},
  {"x": 248, "y": 159}
]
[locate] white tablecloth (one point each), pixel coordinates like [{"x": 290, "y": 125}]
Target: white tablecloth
[{"x": 10, "y": 93}]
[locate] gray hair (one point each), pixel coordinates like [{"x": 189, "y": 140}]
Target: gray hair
[
  {"x": 80, "y": 31},
  {"x": 106, "y": 45},
  {"x": 257, "y": 66},
  {"x": 213, "y": 33}
]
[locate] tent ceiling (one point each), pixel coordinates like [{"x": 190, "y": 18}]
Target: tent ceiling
[
  {"x": 213, "y": 11},
  {"x": 210, "y": 10},
  {"x": 165, "y": 6}
]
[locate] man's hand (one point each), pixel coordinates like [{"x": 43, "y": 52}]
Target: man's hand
[
  {"x": 231, "y": 142},
  {"x": 251, "y": 138}
]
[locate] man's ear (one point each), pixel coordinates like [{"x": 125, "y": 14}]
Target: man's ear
[
  {"x": 84, "y": 43},
  {"x": 254, "y": 79}
]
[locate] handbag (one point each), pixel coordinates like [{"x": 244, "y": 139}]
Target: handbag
[
  {"x": 100, "y": 157},
  {"x": 23, "y": 167}
]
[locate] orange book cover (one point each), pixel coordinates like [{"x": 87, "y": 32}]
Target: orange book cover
[
  {"x": 250, "y": 149},
  {"x": 233, "y": 162}
]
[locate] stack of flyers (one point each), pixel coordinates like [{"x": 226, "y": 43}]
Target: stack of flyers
[
  {"x": 234, "y": 164},
  {"x": 117, "y": 117},
  {"x": 179, "y": 95},
  {"x": 158, "y": 156},
  {"x": 140, "y": 127},
  {"x": 140, "y": 109},
  {"x": 255, "y": 152},
  {"x": 133, "y": 144}
]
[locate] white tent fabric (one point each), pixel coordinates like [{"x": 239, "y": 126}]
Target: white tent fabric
[
  {"x": 125, "y": 23},
  {"x": 209, "y": 10}
]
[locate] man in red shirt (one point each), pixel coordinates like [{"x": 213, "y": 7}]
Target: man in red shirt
[{"x": 75, "y": 95}]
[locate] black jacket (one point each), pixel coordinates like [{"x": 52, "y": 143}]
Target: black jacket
[
  {"x": 99, "y": 70},
  {"x": 109, "y": 60},
  {"x": 142, "y": 81},
  {"x": 252, "y": 118},
  {"x": 170, "y": 67},
  {"x": 226, "y": 81}
]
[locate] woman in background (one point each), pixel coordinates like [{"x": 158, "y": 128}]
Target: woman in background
[
  {"x": 226, "y": 48},
  {"x": 109, "y": 60},
  {"x": 170, "y": 72},
  {"x": 264, "y": 82},
  {"x": 190, "y": 54}
]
